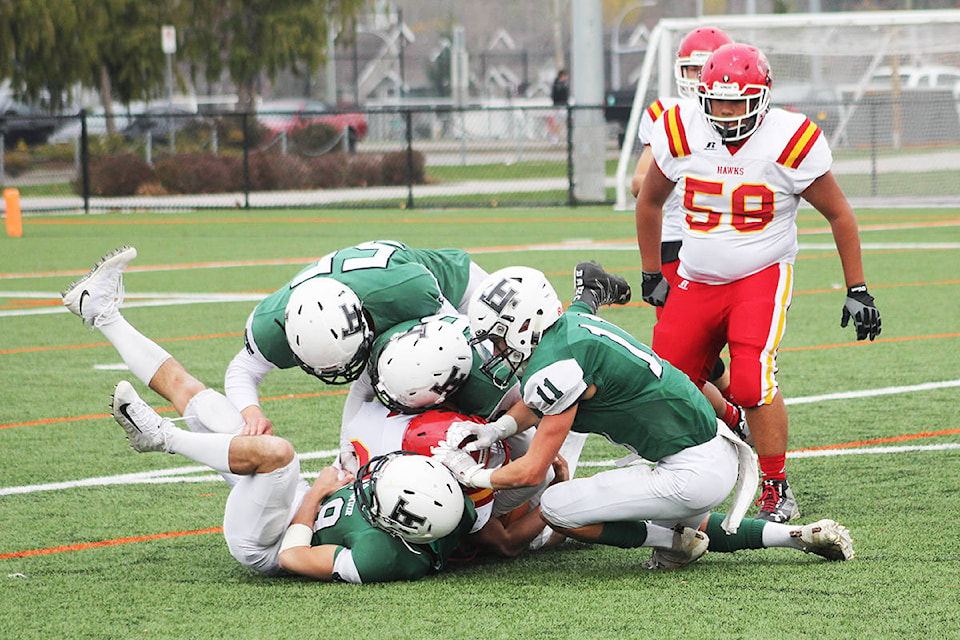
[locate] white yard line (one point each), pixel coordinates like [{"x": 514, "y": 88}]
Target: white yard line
[{"x": 188, "y": 474}]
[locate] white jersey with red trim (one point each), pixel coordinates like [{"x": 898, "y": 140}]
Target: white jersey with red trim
[
  {"x": 740, "y": 203},
  {"x": 672, "y": 230}
]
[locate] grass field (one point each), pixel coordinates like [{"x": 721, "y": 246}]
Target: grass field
[{"x": 97, "y": 541}]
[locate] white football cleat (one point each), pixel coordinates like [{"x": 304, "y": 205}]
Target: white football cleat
[
  {"x": 825, "y": 538},
  {"x": 95, "y": 296},
  {"x": 689, "y": 545},
  {"x": 146, "y": 429}
]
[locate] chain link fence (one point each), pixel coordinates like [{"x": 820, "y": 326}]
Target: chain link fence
[{"x": 294, "y": 155}]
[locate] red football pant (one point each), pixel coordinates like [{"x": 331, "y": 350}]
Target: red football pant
[{"x": 749, "y": 316}]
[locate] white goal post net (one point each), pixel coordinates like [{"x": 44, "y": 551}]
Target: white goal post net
[{"x": 883, "y": 85}]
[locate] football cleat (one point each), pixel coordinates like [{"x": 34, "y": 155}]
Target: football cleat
[
  {"x": 776, "y": 501},
  {"x": 146, "y": 429},
  {"x": 605, "y": 287},
  {"x": 689, "y": 545},
  {"x": 95, "y": 296},
  {"x": 825, "y": 538}
]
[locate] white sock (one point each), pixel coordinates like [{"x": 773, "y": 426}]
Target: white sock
[
  {"x": 658, "y": 536},
  {"x": 210, "y": 412},
  {"x": 778, "y": 535},
  {"x": 211, "y": 449},
  {"x": 142, "y": 355}
]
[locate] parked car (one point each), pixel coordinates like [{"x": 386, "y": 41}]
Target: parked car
[
  {"x": 917, "y": 77},
  {"x": 159, "y": 121},
  {"x": 296, "y": 113},
  {"x": 20, "y": 122}
]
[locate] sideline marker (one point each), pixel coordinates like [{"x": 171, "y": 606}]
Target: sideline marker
[{"x": 14, "y": 220}]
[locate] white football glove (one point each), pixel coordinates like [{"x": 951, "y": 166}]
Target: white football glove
[
  {"x": 481, "y": 436},
  {"x": 469, "y": 472}
]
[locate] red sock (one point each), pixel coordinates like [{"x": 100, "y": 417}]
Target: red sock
[
  {"x": 774, "y": 467},
  {"x": 732, "y": 415}
]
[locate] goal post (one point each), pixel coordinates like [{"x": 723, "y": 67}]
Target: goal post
[{"x": 883, "y": 85}]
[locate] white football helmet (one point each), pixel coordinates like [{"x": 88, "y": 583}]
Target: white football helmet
[
  {"x": 419, "y": 365},
  {"x": 410, "y": 496},
  {"x": 512, "y": 308},
  {"x": 327, "y": 331}
]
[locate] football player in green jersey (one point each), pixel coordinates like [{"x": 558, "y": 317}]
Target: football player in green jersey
[
  {"x": 582, "y": 373},
  {"x": 400, "y": 519},
  {"x": 326, "y": 317}
]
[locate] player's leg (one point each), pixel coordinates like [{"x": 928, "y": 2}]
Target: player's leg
[
  {"x": 825, "y": 538},
  {"x": 613, "y": 507},
  {"x": 692, "y": 345},
  {"x": 95, "y": 298},
  {"x": 147, "y": 431},
  {"x": 756, "y": 327}
]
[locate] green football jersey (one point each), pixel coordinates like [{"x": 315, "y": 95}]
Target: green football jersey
[
  {"x": 642, "y": 402},
  {"x": 379, "y": 556},
  {"x": 393, "y": 282}
]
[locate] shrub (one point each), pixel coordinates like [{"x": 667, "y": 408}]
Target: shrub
[
  {"x": 394, "y": 168},
  {"x": 119, "y": 175},
  {"x": 364, "y": 170},
  {"x": 194, "y": 173},
  {"x": 314, "y": 139},
  {"x": 16, "y": 163},
  {"x": 328, "y": 171},
  {"x": 230, "y": 131},
  {"x": 273, "y": 172}
]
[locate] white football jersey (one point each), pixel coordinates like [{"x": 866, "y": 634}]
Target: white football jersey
[
  {"x": 672, "y": 229},
  {"x": 739, "y": 204}
]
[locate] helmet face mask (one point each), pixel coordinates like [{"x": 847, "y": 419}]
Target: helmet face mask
[
  {"x": 418, "y": 368},
  {"x": 735, "y": 73},
  {"x": 327, "y": 331},
  {"x": 511, "y": 309},
  {"x": 694, "y": 50},
  {"x": 409, "y": 496}
]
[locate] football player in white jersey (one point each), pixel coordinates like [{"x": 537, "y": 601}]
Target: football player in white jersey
[
  {"x": 741, "y": 169},
  {"x": 693, "y": 51}
]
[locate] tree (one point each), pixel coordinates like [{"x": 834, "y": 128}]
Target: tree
[
  {"x": 113, "y": 46},
  {"x": 249, "y": 38}
]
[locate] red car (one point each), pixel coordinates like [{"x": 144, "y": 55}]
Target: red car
[{"x": 294, "y": 113}]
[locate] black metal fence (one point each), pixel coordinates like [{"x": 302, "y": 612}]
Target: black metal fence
[{"x": 168, "y": 158}]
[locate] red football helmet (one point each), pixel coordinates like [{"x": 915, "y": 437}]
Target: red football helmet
[
  {"x": 430, "y": 427},
  {"x": 735, "y": 73},
  {"x": 694, "y": 50}
]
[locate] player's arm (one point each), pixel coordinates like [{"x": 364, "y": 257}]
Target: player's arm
[
  {"x": 296, "y": 554},
  {"x": 643, "y": 166},
  {"x": 510, "y": 539},
  {"x": 653, "y": 193},
  {"x": 241, "y": 385},
  {"x": 825, "y": 195},
  {"x": 531, "y": 469}
]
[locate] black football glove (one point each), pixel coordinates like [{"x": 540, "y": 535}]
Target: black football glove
[
  {"x": 655, "y": 288},
  {"x": 859, "y": 306},
  {"x": 595, "y": 287}
]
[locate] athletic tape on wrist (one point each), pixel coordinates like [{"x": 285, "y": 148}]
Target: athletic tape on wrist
[{"x": 297, "y": 535}]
